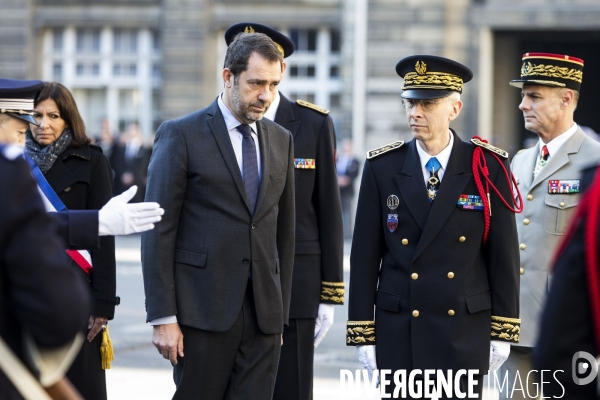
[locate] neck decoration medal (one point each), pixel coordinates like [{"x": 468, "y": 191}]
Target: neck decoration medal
[
  {"x": 431, "y": 189},
  {"x": 392, "y": 219}
]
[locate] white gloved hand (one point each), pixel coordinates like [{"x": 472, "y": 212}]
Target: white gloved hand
[
  {"x": 323, "y": 322},
  {"x": 499, "y": 352},
  {"x": 366, "y": 356},
  {"x": 118, "y": 217}
]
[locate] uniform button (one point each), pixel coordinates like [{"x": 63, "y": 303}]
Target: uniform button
[
  {"x": 405, "y": 241},
  {"x": 562, "y": 204},
  {"x": 414, "y": 276},
  {"x": 451, "y": 312},
  {"x": 67, "y": 190},
  {"x": 253, "y": 226},
  {"x": 523, "y": 246},
  {"x": 530, "y": 197},
  {"x": 246, "y": 261},
  {"x": 450, "y": 275},
  {"x": 522, "y": 271},
  {"x": 415, "y": 313},
  {"x": 462, "y": 239},
  {"x": 526, "y": 221}
]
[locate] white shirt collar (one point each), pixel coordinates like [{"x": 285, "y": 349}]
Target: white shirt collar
[
  {"x": 443, "y": 157},
  {"x": 555, "y": 144},
  {"x": 230, "y": 120},
  {"x": 272, "y": 111}
]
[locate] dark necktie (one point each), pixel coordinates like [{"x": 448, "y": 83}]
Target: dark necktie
[
  {"x": 433, "y": 183},
  {"x": 250, "y": 165}
]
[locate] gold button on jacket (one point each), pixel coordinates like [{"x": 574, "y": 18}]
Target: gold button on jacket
[
  {"x": 451, "y": 312},
  {"x": 526, "y": 221},
  {"x": 450, "y": 275},
  {"x": 414, "y": 276},
  {"x": 462, "y": 239},
  {"x": 405, "y": 241},
  {"x": 523, "y": 246},
  {"x": 415, "y": 313},
  {"x": 529, "y": 197},
  {"x": 522, "y": 271}
]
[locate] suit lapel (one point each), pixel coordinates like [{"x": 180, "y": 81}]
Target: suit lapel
[
  {"x": 528, "y": 165},
  {"x": 285, "y": 116},
  {"x": 452, "y": 186},
  {"x": 263, "y": 142},
  {"x": 561, "y": 158},
  {"x": 221, "y": 135},
  {"x": 411, "y": 186}
]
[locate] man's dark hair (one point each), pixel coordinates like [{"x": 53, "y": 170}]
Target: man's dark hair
[{"x": 244, "y": 45}]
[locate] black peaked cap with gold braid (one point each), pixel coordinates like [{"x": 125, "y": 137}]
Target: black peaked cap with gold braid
[
  {"x": 284, "y": 44},
  {"x": 431, "y": 77},
  {"x": 548, "y": 69}
]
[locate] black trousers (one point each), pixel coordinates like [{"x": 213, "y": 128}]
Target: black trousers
[
  {"x": 295, "y": 373},
  {"x": 240, "y": 363},
  {"x": 86, "y": 372}
]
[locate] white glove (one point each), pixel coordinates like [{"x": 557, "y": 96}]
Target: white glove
[
  {"x": 323, "y": 322},
  {"x": 366, "y": 356},
  {"x": 499, "y": 352},
  {"x": 118, "y": 217}
]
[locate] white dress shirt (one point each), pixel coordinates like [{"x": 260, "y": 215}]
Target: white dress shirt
[
  {"x": 557, "y": 142},
  {"x": 442, "y": 157},
  {"x": 236, "y": 141}
]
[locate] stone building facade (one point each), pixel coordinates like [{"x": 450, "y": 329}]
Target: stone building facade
[{"x": 146, "y": 61}]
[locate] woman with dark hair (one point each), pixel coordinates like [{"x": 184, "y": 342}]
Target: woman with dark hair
[{"x": 81, "y": 176}]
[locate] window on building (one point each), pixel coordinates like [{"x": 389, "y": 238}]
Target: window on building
[
  {"x": 57, "y": 40},
  {"x": 156, "y": 71},
  {"x": 125, "y": 41},
  {"x": 87, "y": 69},
  {"x": 57, "y": 72},
  {"x": 156, "y": 44},
  {"x": 303, "y": 71},
  {"x": 124, "y": 69},
  {"x": 334, "y": 71},
  {"x": 310, "y": 70},
  {"x": 336, "y": 41},
  {"x": 88, "y": 40},
  {"x": 335, "y": 100},
  {"x": 304, "y": 39}
]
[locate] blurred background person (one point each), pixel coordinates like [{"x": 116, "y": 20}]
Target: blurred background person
[
  {"x": 106, "y": 139},
  {"x": 81, "y": 177},
  {"x": 129, "y": 159},
  {"x": 347, "y": 171}
]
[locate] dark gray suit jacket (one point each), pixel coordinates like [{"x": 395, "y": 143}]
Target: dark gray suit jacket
[{"x": 196, "y": 261}]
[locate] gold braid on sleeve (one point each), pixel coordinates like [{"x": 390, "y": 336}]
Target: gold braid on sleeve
[
  {"x": 506, "y": 329},
  {"x": 360, "y": 332},
  {"x": 332, "y": 292}
]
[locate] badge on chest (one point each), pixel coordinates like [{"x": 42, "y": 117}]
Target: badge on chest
[
  {"x": 470, "y": 202},
  {"x": 563, "y": 186},
  {"x": 392, "y": 219}
]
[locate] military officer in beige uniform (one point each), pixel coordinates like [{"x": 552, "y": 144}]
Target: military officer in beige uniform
[{"x": 548, "y": 175}]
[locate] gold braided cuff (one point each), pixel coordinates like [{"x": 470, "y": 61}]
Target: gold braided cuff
[
  {"x": 506, "y": 329},
  {"x": 332, "y": 292},
  {"x": 360, "y": 332}
]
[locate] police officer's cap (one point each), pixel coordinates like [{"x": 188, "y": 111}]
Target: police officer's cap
[
  {"x": 431, "y": 77},
  {"x": 17, "y": 96},
  {"x": 555, "y": 70},
  {"x": 284, "y": 44}
]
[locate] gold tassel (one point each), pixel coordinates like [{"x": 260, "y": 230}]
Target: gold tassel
[{"x": 106, "y": 349}]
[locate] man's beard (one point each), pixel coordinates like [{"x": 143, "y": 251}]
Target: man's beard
[{"x": 243, "y": 109}]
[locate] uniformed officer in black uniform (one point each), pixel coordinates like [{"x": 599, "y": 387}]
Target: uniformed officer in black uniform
[
  {"x": 571, "y": 316},
  {"x": 443, "y": 277},
  {"x": 317, "y": 283},
  {"x": 39, "y": 292}
]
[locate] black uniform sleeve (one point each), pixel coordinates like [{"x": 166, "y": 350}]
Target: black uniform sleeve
[
  {"x": 47, "y": 297},
  {"x": 502, "y": 259},
  {"x": 328, "y": 206},
  {"x": 78, "y": 228},
  {"x": 104, "y": 278},
  {"x": 365, "y": 260}
]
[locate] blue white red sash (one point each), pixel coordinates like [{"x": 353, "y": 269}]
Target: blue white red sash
[{"x": 53, "y": 203}]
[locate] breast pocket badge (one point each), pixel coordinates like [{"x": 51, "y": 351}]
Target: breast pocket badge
[
  {"x": 470, "y": 202},
  {"x": 565, "y": 186},
  {"x": 392, "y": 219}
]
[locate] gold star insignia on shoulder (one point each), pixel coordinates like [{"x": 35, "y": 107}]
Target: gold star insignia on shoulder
[
  {"x": 489, "y": 147},
  {"x": 312, "y": 106},
  {"x": 384, "y": 149}
]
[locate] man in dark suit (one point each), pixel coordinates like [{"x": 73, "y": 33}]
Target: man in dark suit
[
  {"x": 444, "y": 279},
  {"x": 317, "y": 282},
  {"x": 129, "y": 159},
  {"x": 218, "y": 270},
  {"x": 571, "y": 316},
  {"x": 347, "y": 171},
  {"x": 39, "y": 293}
]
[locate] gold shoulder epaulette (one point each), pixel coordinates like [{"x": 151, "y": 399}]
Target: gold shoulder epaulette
[
  {"x": 312, "y": 106},
  {"x": 384, "y": 149},
  {"x": 489, "y": 147}
]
